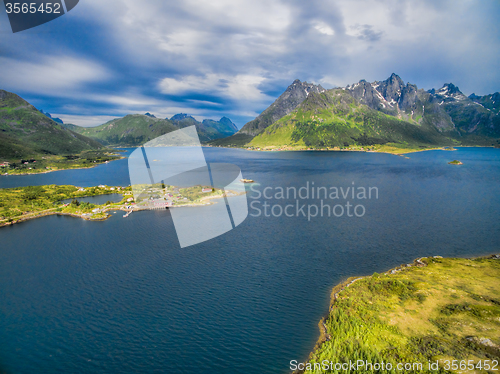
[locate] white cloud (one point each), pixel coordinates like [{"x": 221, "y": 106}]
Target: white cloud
[
  {"x": 84, "y": 121},
  {"x": 324, "y": 29},
  {"x": 235, "y": 50},
  {"x": 238, "y": 87},
  {"x": 51, "y": 75}
]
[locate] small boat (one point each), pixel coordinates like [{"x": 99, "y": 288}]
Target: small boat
[{"x": 246, "y": 180}]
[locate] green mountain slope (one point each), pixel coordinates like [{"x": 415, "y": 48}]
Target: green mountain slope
[
  {"x": 295, "y": 94},
  {"x": 335, "y": 119},
  {"x": 71, "y": 127},
  {"x": 25, "y": 132},
  {"x": 389, "y": 107},
  {"x": 132, "y": 130},
  {"x": 136, "y": 129}
]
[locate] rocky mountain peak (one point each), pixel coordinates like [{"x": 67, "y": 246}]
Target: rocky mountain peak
[
  {"x": 448, "y": 90},
  {"x": 227, "y": 122},
  {"x": 295, "y": 94},
  {"x": 391, "y": 88},
  {"x": 180, "y": 117}
]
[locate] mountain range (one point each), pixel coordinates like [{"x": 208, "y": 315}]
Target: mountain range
[
  {"x": 306, "y": 115},
  {"x": 366, "y": 113},
  {"x": 26, "y": 132},
  {"x": 136, "y": 129}
]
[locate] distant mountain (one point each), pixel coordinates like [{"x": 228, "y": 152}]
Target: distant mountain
[
  {"x": 131, "y": 130},
  {"x": 224, "y": 126},
  {"x": 26, "y": 132},
  {"x": 208, "y": 129},
  {"x": 182, "y": 120},
  {"x": 136, "y": 129},
  {"x": 441, "y": 116},
  {"x": 55, "y": 119},
  {"x": 70, "y": 126},
  {"x": 295, "y": 94},
  {"x": 150, "y": 115}
]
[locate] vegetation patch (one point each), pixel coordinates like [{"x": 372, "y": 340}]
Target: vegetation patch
[{"x": 436, "y": 310}]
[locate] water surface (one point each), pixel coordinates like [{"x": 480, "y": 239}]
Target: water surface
[{"x": 120, "y": 296}]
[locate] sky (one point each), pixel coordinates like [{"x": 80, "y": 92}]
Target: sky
[{"x": 233, "y": 58}]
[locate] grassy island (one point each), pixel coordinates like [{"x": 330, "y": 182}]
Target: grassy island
[
  {"x": 455, "y": 162},
  {"x": 435, "y": 310}
]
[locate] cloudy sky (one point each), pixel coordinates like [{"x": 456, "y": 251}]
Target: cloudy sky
[{"x": 109, "y": 58}]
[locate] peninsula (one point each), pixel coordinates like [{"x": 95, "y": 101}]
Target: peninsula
[
  {"x": 443, "y": 313},
  {"x": 20, "y": 204}
]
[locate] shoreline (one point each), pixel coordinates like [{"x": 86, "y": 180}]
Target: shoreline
[
  {"x": 50, "y": 171},
  {"x": 336, "y": 291},
  {"x": 115, "y": 208},
  {"x": 272, "y": 150},
  {"x": 441, "y": 148}
]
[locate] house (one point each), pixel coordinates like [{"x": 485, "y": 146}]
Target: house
[
  {"x": 205, "y": 190},
  {"x": 158, "y": 204},
  {"x": 101, "y": 186},
  {"x": 130, "y": 199}
]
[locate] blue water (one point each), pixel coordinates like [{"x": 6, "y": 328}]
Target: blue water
[
  {"x": 100, "y": 199},
  {"x": 114, "y": 173},
  {"x": 120, "y": 296}
]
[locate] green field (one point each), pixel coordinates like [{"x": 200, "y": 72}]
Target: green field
[
  {"x": 21, "y": 203},
  {"x": 44, "y": 164},
  {"x": 437, "y": 310}
]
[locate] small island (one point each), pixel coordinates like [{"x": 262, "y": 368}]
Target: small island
[
  {"x": 455, "y": 162},
  {"x": 432, "y": 311}
]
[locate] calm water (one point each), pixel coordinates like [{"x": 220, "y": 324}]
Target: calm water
[
  {"x": 120, "y": 296},
  {"x": 100, "y": 199}
]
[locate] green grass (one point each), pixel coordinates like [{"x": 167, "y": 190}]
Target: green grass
[
  {"x": 131, "y": 130},
  {"x": 25, "y": 133},
  {"x": 136, "y": 129},
  {"x": 334, "y": 120},
  {"x": 434, "y": 313},
  {"x": 42, "y": 164},
  {"x": 21, "y": 202},
  {"x": 237, "y": 140}
]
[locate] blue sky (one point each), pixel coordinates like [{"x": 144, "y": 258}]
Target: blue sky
[{"x": 109, "y": 58}]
